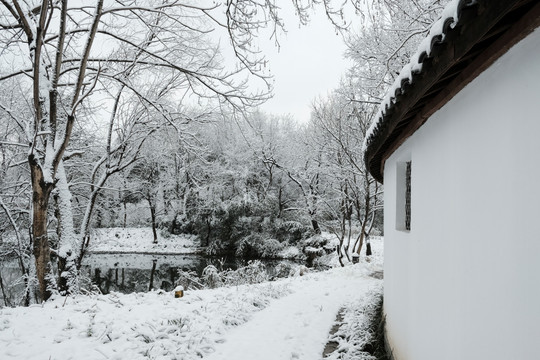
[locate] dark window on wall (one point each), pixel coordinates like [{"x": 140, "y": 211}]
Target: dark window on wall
[
  {"x": 408, "y": 196},
  {"x": 403, "y": 195}
]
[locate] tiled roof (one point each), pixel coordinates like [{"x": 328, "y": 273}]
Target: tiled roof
[{"x": 469, "y": 36}]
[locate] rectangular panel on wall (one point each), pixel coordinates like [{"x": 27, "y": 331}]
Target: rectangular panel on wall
[
  {"x": 408, "y": 196},
  {"x": 403, "y": 195}
]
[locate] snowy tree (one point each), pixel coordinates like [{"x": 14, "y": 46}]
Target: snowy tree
[
  {"x": 70, "y": 55},
  {"x": 385, "y": 40},
  {"x": 342, "y": 124}
]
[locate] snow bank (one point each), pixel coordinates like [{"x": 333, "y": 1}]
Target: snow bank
[{"x": 140, "y": 240}]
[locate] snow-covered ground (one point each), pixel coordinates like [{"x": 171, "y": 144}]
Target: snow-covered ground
[
  {"x": 286, "y": 319},
  {"x": 140, "y": 240},
  {"x": 297, "y": 326}
]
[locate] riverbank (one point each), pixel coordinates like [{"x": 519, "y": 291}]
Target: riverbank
[{"x": 141, "y": 241}]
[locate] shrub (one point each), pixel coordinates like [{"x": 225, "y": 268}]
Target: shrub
[
  {"x": 253, "y": 273},
  {"x": 271, "y": 249},
  {"x": 211, "y": 277},
  {"x": 316, "y": 241},
  {"x": 292, "y": 231},
  {"x": 285, "y": 269},
  {"x": 313, "y": 247},
  {"x": 251, "y": 247},
  {"x": 188, "y": 280}
]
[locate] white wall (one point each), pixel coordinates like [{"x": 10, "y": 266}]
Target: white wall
[{"x": 464, "y": 283}]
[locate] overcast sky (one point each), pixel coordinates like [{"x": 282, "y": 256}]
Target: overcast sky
[{"x": 309, "y": 64}]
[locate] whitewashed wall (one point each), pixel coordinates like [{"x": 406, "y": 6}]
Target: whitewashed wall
[{"x": 464, "y": 283}]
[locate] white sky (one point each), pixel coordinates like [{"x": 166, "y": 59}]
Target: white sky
[{"x": 309, "y": 64}]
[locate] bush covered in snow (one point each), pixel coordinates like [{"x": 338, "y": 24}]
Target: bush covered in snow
[
  {"x": 292, "y": 231},
  {"x": 271, "y": 249},
  {"x": 211, "y": 277},
  {"x": 189, "y": 280},
  {"x": 216, "y": 248},
  {"x": 250, "y": 247},
  {"x": 256, "y": 246},
  {"x": 247, "y": 229},
  {"x": 254, "y": 272}
]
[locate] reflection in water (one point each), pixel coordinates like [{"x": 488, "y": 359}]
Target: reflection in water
[{"x": 127, "y": 273}]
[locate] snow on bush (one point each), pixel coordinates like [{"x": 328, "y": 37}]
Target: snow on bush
[
  {"x": 188, "y": 279},
  {"x": 250, "y": 247},
  {"x": 284, "y": 270},
  {"x": 292, "y": 231},
  {"x": 211, "y": 277},
  {"x": 215, "y": 248},
  {"x": 291, "y": 252},
  {"x": 271, "y": 249},
  {"x": 256, "y": 246},
  {"x": 254, "y": 273}
]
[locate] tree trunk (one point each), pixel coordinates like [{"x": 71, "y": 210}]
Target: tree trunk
[
  {"x": 4, "y": 295},
  {"x": 362, "y": 231},
  {"x": 42, "y": 252},
  {"x": 280, "y": 203},
  {"x": 85, "y": 225},
  {"x": 63, "y": 283},
  {"x": 368, "y": 248},
  {"x": 359, "y": 242},
  {"x": 315, "y": 225},
  {"x": 67, "y": 239},
  {"x": 124, "y": 222},
  {"x": 340, "y": 254},
  {"x": 152, "y": 272},
  {"x": 153, "y": 216}
]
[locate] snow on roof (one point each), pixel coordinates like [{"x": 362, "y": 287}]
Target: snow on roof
[
  {"x": 467, "y": 38},
  {"x": 448, "y": 19}
]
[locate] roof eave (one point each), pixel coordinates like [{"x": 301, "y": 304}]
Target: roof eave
[{"x": 484, "y": 31}]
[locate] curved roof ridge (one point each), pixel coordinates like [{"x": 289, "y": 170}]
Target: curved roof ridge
[{"x": 437, "y": 33}]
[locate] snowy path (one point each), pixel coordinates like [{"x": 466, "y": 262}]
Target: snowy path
[{"x": 296, "y": 326}]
